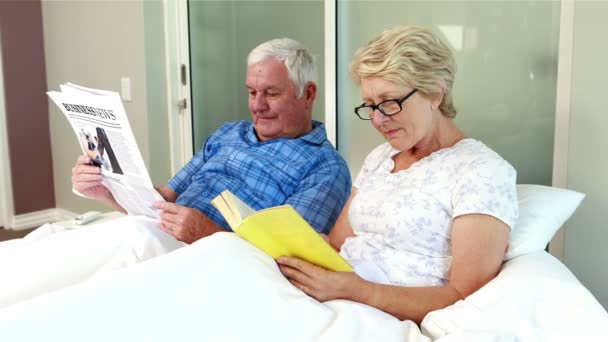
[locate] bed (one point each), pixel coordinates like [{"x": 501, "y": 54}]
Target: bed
[{"x": 223, "y": 289}]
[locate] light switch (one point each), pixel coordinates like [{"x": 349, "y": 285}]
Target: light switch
[{"x": 125, "y": 89}]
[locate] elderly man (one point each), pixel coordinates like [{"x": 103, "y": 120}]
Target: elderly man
[{"x": 280, "y": 157}]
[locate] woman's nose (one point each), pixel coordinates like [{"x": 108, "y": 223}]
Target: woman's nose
[{"x": 378, "y": 117}]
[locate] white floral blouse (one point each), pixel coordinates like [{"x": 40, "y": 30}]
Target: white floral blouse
[{"x": 402, "y": 221}]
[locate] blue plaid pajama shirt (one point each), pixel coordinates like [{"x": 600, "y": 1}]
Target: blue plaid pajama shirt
[{"x": 306, "y": 173}]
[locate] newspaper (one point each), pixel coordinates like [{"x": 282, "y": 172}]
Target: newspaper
[{"x": 104, "y": 134}]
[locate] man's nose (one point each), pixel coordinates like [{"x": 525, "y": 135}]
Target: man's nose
[{"x": 259, "y": 103}]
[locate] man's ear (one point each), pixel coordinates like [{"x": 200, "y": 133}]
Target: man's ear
[{"x": 310, "y": 94}]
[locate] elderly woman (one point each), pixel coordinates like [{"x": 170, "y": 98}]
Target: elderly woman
[{"x": 428, "y": 220}]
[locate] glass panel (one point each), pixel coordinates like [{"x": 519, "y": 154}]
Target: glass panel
[
  {"x": 158, "y": 139},
  {"x": 222, "y": 33},
  {"x": 585, "y": 251},
  {"x": 505, "y": 86}
]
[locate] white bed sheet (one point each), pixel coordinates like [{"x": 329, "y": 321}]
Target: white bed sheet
[
  {"x": 218, "y": 289},
  {"x": 222, "y": 288},
  {"x": 52, "y": 257}
]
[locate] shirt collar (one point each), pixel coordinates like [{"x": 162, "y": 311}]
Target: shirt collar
[{"x": 316, "y": 136}]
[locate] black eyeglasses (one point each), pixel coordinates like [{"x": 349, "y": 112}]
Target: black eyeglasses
[{"x": 388, "y": 107}]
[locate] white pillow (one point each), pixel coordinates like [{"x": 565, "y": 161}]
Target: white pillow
[
  {"x": 542, "y": 211},
  {"x": 533, "y": 298}
]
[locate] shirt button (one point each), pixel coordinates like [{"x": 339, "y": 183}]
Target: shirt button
[{"x": 232, "y": 157}]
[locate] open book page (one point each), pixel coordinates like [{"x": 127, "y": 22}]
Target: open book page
[
  {"x": 102, "y": 128},
  {"x": 279, "y": 231},
  {"x": 232, "y": 208}
]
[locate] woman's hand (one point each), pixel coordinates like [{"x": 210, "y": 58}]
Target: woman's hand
[{"x": 319, "y": 283}]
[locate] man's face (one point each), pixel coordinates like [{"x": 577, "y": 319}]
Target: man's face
[{"x": 276, "y": 110}]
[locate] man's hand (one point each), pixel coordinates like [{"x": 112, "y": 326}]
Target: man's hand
[
  {"x": 86, "y": 179},
  {"x": 185, "y": 224}
]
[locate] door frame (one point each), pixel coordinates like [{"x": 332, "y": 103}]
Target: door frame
[
  {"x": 177, "y": 57},
  {"x": 331, "y": 84},
  {"x": 6, "y": 194},
  {"x": 561, "y": 139}
]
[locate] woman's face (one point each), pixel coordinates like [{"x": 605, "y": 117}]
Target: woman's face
[{"x": 407, "y": 128}]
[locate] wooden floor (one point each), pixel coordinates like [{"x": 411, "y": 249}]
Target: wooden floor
[{"x": 7, "y": 234}]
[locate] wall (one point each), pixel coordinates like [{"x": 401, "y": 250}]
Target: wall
[
  {"x": 586, "y": 234},
  {"x": 95, "y": 44},
  {"x": 27, "y": 122},
  {"x": 6, "y": 196}
]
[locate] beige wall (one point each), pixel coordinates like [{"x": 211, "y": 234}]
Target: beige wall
[
  {"x": 93, "y": 44},
  {"x": 586, "y": 234}
]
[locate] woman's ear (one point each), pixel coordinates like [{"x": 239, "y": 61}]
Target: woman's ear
[{"x": 437, "y": 99}]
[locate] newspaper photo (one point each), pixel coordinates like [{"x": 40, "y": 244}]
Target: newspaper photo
[{"x": 102, "y": 128}]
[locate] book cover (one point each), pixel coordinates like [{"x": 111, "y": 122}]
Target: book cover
[{"x": 279, "y": 231}]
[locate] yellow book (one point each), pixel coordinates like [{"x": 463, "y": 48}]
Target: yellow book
[{"x": 279, "y": 231}]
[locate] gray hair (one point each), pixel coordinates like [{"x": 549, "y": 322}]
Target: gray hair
[{"x": 298, "y": 60}]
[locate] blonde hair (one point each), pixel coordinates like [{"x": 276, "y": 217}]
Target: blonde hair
[{"x": 410, "y": 56}]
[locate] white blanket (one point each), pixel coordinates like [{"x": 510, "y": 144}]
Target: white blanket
[
  {"x": 52, "y": 257},
  {"x": 218, "y": 289},
  {"x": 221, "y": 288}
]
